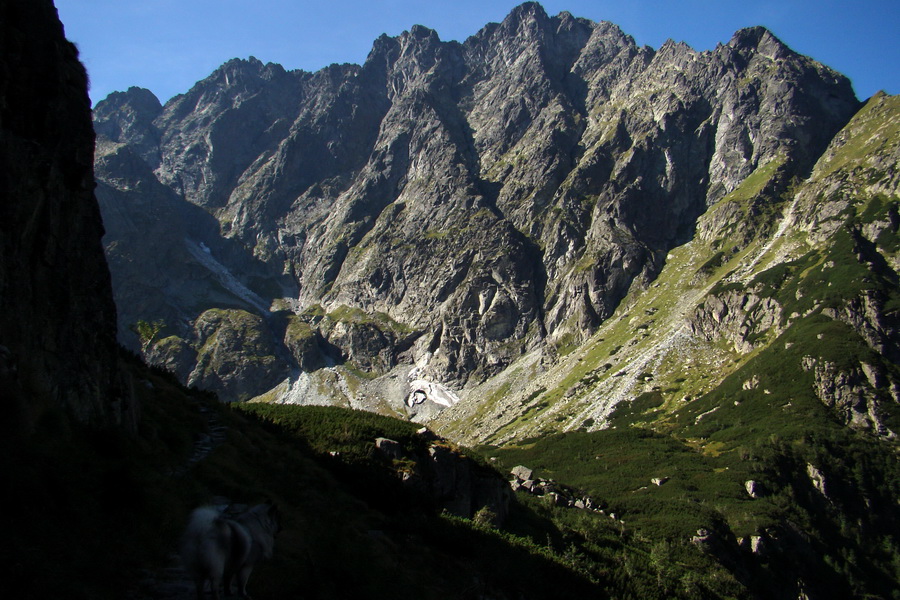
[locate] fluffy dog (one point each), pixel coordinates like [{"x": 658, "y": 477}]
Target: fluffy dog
[{"x": 218, "y": 545}]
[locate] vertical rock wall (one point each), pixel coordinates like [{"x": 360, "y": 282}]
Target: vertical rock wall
[{"x": 57, "y": 317}]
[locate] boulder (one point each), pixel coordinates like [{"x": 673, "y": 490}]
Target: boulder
[
  {"x": 817, "y": 478},
  {"x": 521, "y": 473},
  {"x": 451, "y": 481},
  {"x": 389, "y": 448},
  {"x": 758, "y": 545},
  {"x": 427, "y": 434},
  {"x": 754, "y": 488}
]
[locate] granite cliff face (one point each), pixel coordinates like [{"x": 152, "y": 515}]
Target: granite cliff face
[
  {"x": 469, "y": 202},
  {"x": 57, "y": 318}
]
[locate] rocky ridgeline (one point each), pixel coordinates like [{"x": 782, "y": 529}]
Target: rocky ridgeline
[{"x": 444, "y": 206}]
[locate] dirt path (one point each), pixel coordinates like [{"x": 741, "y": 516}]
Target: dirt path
[{"x": 172, "y": 582}]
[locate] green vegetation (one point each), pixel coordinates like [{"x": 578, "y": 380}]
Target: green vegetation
[
  {"x": 228, "y": 326},
  {"x": 440, "y": 234},
  {"x": 106, "y": 506},
  {"x": 714, "y": 262},
  {"x": 235, "y": 343},
  {"x": 380, "y": 320},
  {"x": 873, "y": 130},
  {"x": 702, "y": 461},
  {"x": 297, "y": 330},
  {"x": 328, "y": 429},
  {"x": 591, "y": 545},
  {"x": 755, "y": 183},
  {"x": 616, "y": 466},
  {"x": 566, "y": 344},
  {"x": 314, "y": 312},
  {"x": 148, "y": 332}
]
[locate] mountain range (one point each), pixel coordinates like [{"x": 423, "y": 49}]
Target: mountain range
[{"x": 440, "y": 211}]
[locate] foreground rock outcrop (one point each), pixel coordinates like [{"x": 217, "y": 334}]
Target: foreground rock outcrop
[{"x": 57, "y": 317}]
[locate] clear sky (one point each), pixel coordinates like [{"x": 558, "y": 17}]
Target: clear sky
[{"x": 168, "y": 45}]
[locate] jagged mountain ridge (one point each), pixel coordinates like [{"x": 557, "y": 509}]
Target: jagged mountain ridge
[{"x": 444, "y": 207}]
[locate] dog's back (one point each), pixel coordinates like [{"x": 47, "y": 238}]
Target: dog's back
[
  {"x": 216, "y": 548},
  {"x": 211, "y": 543}
]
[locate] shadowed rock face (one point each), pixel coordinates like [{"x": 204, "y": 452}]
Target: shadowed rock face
[
  {"x": 487, "y": 197},
  {"x": 57, "y": 318}
]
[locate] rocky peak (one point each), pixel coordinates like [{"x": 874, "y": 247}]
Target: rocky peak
[
  {"x": 609, "y": 35},
  {"x": 414, "y": 61},
  {"x": 231, "y": 84},
  {"x": 527, "y": 33},
  {"x": 527, "y": 14},
  {"x": 673, "y": 51},
  {"x": 140, "y": 103},
  {"x": 420, "y": 32},
  {"x": 242, "y": 99},
  {"x": 761, "y": 40},
  {"x": 524, "y": 31},
  {"x": 799, "y": 91},
  {"x": 127, "y": 118},
  {"x": 245, "y": 74}
]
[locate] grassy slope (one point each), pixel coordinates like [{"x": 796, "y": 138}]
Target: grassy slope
[
  {"x": 543, "y": 551},
  {"x": 94, "y": 509}
]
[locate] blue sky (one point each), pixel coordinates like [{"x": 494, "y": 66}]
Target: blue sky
[{"x": 168, "y": 45}]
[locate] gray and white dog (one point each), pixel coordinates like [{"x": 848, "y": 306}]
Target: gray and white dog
[{"x": 219, "y": 545}]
